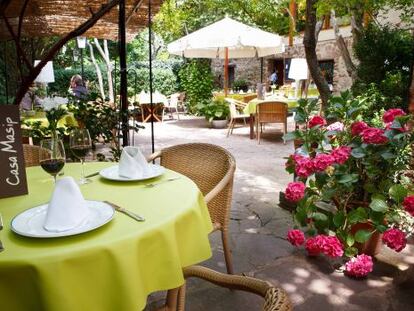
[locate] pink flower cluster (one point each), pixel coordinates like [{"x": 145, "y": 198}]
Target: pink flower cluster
[
  {"x": 390, "y": 115},
  {"x": 323, "y": 244},
  {"x": 296, "y": 237},
  {"x": 304, "y": 166},
  {"x": 341, "y": 154},
  {"x": 359, "y": 266},
  {"x": 316, "y": 120},
  {"x": 408, "y": 204},
  {"x": 295, "y": 191},
  {"x": 322, "y": 161},
  {"x": 394, "y": 239},
  {"x": 373, "y": 135},
  {"x": 358, "y": 127},
  {"x": 337, "y": 126}
]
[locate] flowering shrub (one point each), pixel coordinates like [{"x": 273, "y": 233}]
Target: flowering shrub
[{"x": 348, "y": 173}]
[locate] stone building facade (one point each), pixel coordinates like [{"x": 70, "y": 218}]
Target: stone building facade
[{"x": 327, "y": 50}]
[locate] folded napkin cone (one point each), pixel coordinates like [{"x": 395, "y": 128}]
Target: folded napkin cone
[
  {"x": 133, "y": 163},
  {"x": 67, "y": 208}
]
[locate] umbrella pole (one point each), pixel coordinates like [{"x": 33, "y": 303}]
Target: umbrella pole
[
  {"x": 123, "y": 71},
  {"x": 226, "y": 71},
  {"x": 150, "y": 74}
]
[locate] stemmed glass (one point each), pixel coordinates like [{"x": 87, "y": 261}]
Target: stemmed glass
[
  {"x": 52, "y": 156},
  {"x": 80, "y": 143}
]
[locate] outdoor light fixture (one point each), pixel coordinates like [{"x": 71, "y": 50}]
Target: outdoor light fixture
[
  {"x": 46, "y": 75},
  {"x": 298, "y": 71},
  {"x": 81, "y": 42}
]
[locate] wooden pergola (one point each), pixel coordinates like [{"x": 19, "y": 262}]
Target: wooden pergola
[
  {"x": 44, "y": 18},
  {"x": 117, "y": 20}
]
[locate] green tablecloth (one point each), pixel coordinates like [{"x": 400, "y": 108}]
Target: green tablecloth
[
  {"x": 251, "y": 106},
  {"x": 114, "y": 267},
  {"x": 68, "y": 120}
]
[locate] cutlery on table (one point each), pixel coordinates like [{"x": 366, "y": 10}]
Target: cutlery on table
[
  {"x": 126, "y": 212},
  {"x": 92, "y": 175},
  {"x": 150, "y": 185},
  {"x": 1, "y": 228}
]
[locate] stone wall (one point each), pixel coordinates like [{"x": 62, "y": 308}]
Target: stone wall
[{"x": 249, "y": 69}]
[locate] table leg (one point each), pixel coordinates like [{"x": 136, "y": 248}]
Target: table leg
[
  {"x": 251, "y": 122},
  {"x": 172, "y": 300}
]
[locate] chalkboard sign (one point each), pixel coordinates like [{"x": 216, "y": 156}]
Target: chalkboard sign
[{"x": 12, "y": 170}]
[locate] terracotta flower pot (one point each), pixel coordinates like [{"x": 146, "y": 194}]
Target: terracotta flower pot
[{"x": 371, "y": 247}]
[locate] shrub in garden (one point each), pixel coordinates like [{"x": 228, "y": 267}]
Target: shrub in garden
[{"x": 347, "y": 184}]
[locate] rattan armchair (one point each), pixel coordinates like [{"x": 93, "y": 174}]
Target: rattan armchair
[
  {"x": 212, "y": 169},
  {"x": 275, "y": 298},
  {"x": 31, "y": 155},
  {"x": 271, "y": 112}
]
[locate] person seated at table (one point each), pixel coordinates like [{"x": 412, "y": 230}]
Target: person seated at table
[
  {"x": 30, "y": 99},
  {"x": 77, "y": 87},
  {"x": 273, "y": 78}
]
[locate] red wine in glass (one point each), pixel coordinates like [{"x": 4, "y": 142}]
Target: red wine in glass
[
  {"x": 80, "y": 142},
  {"x": 52, "y": 156},
  {"x": 80, "y": 151}
]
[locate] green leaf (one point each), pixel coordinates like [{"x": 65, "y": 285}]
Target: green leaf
[
  {"x": 358, "y": 153},
  {"x": 358, "y": 215},
  {"x": 378, "y": 205},
  {"x": 319, "y": 216},
  {"x": 381, "y": 228},
  {"x": 362, "y": 236},
  {"x": 326, "y": 206},
  {"x": 398, "y": 193},
  {"x": 348, "y": 178},
  {"x": 387, "y": 155},
  {"x": 290, "y": 136},
  {"x": 339, "y": 219},
  {"x": 351, "y": 251},
  {"x": 350, "y": 240}
]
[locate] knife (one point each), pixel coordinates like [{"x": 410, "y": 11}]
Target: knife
[
  {"x": 126, "y": 212},
  {"x": 92, "y": 175}
]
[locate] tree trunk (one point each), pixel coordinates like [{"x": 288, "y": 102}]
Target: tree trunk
[
  {"x": 98, "y": 71},
  {"x": 349, "y": 64},
  {"x": 105, "y": 56},
  {"x": 309, "y": 41}
]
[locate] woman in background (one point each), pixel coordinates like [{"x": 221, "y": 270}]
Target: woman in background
[{"x": 77, "y": 87}]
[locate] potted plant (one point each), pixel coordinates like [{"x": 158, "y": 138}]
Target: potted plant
[
  {"x": 348, "y": 186},
  {"x": 216, "y": 112}
]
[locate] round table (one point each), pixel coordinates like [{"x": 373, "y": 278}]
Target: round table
[{"x": 111, "y": 268}]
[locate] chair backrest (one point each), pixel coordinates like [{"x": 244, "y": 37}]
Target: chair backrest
[
  {"x": 248, "y": 98},
  {"x": 206, "y": 165},
  {"x": 276, "y": 298},
  {"x": 174, "y": 98},
  {"x": 272, "y": 112},
  {"x": 232, "y": 107},
  {"x": 31, "y": 155}
]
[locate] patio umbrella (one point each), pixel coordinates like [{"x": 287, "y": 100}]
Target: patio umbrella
[{"x": 226, "y": 39}]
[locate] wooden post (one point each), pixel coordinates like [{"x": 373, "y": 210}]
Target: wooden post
[
  {"x": 226, "y": 72},
  {"x": 292, "y": 21}
]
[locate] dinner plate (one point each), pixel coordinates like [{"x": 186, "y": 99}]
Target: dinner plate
[
  {"x": 30, "y": 222},
  {"x": 111, "y": 173}
]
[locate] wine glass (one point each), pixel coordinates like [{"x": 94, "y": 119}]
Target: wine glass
[
  {"x": 52, "y": 156},
  {"x": 80, "y": 143}
]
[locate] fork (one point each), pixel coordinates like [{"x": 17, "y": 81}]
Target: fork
[
  {"x": 151, "y": 185},
  {"x": 1, "y": 228}
]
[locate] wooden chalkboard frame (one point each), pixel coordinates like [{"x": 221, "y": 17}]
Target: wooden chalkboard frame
[{"x": 13, "y": 180}]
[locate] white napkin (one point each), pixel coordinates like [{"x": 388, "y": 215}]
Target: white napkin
[
  {"x": 67, "y": 208},
  {"x": 133, "y": 163}
]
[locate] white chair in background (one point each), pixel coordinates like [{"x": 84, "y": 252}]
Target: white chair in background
[{"x": 171, "y": 105}]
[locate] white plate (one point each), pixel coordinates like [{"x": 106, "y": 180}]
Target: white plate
[
  {"x": 30, "y": 222},
  {"x": 111, "y": 173}
]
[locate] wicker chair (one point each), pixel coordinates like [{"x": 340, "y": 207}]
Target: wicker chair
[
  {"x": 31, "y": 155},
  {"x": 235, "y": 114},
  {"x": 271, "y": 112},
  {"x": 276, "y": 299},
  {"x": 212, "y": 169}
]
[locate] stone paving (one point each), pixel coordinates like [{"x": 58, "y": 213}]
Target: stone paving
[{"x": 258, "y": 229}]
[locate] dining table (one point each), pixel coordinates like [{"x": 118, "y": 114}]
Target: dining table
[
  {"x": 116, "y": 266},
  {"x": 149, "y": 111}
]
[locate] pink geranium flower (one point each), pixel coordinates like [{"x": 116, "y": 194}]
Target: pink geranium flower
[
  {"x": 331, "y": 246},
  {"x": 312, "y": 246},
  {"x": 394, "y": 239},
  {"x": 374, "y": 136},
  {"x": 341, "y": 154},
  {"x": 357, "y": 127},
  {"x": 322, "y": 161},
  {"x": 316, "y": 120},
  {"x": 295, "y": 191},
  {"x": 391, "y": 114},
  {"x": 408, "y": 204},
  {"x": 304, "y": 167},
  {"x": 296, "y": 237},
  {"x": 337, "y": 126},
  {"x": 359, "y": 266}
]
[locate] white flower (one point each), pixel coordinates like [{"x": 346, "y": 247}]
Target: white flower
[
  {"x": 50, "y": 103},
  {"x": 337, "y": 126}
]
